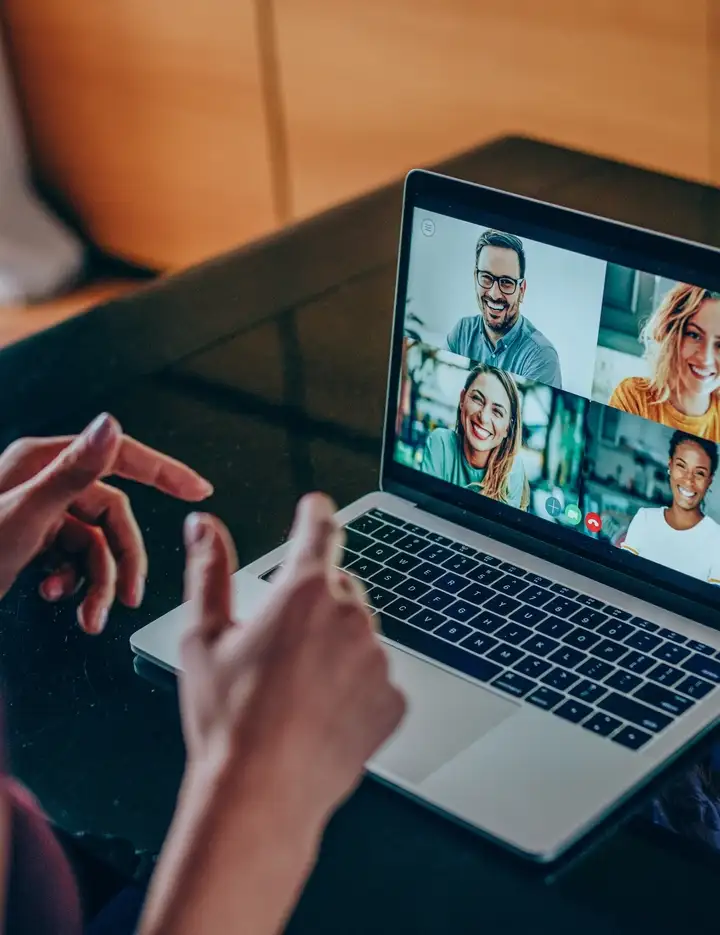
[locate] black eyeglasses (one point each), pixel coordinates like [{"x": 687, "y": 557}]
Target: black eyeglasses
[{"x": 507, "y": 284}]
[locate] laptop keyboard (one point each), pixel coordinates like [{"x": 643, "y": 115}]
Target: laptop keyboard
[{"x": 614, "y": 674}]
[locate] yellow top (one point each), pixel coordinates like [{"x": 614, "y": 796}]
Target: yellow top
[{"x": 634, "y": 395}]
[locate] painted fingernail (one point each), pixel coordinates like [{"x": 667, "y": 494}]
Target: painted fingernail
[
  {"x": 195, "y": 529},
  {"x": 101, "y": 620},
  {"x": 139, "y": 591},
  {"x": 52, "y": 590},
  {"x": 100, "y": 429}
]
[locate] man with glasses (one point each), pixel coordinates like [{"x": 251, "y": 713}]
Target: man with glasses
[{"x": 500, "y": 335}]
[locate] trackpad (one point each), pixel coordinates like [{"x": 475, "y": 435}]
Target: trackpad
[{"x": 446, "y": 714}]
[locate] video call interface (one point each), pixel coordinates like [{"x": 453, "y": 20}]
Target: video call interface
[{"x": 577, "y": 390}]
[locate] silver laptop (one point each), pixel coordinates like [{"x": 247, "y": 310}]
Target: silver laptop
[{"x": 543, "y": 550}]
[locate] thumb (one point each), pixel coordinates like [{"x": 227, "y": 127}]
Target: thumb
[{"x": 210, "y": 563}]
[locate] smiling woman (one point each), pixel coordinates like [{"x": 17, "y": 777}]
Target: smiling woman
[{"x": 682, "y": 349}]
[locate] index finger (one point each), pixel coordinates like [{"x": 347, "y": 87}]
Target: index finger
[{"x": 316, "y": 540}]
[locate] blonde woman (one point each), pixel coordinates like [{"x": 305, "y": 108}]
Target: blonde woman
[
  {"x": 482, "y": 451},
  {"x": 682, "y": 347}
]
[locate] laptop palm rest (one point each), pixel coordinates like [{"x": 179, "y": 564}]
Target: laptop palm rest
[{"x": 445, "y": 716}]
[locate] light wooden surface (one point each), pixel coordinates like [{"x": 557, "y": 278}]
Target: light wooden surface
[
  {"x": 148, "y": 116},
  {"x": 373, "y": 88},
  {"x": 714, "y": 70}
]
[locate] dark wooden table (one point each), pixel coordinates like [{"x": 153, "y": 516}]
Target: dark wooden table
[{"x": 266, "y": 369}]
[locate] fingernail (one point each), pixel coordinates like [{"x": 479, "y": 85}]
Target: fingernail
[
  {"x": 101, "y": 620},
  {"x": 139, "y": 591},
  {"x": 206, "y": 487},
  {"x": 52, "y": 590},
  {"x": 100, "y": 429},
  {"x": 195, "y": 529}
]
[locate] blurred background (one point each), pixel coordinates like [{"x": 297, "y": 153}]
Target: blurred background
[
  {"x": 162, "y": 133},
  {"x": 552, "y": 425},
  {"x": 629, "y": 299}
]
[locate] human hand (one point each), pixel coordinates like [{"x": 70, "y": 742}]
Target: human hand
[
  {"x": 297, "y": 699},
  {"x": 52, "y": 499}
]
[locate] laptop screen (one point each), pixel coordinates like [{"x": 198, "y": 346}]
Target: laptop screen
[{"x": 564, "y": 385}]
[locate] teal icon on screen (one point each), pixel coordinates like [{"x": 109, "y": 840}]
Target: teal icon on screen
[{"x": 573, "y": 514}]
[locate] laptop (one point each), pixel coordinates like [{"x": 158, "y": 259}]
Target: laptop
[{"x": 543, "y": 551}]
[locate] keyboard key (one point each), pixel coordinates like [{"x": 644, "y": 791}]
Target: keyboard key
[
  {"x": 389, "y": 534},
  {"x": 608, "y": 651},
  {"x": 664, "y": 674},
  {"x": 461, "y": 564},
  {"x": 563, "y": 590},
  {"x": 561, "y": 679},
  {"x": 562, "y": 607},
  {"x": 416, "y": 530},
  {"x": 403, "y": 562},
  {"x": 669, "y": 652},
  {"x": 554, "y": 627},
  {"x": 403, "y": 608},
  {"x": 588, "y": 618},
  {"x": 427, "y": 620},
  {"x": 475, "y": 594},
  {"x": 363, "y": 568},
  {"x": 623, "y": 681},
  {"x": 568, "y": 657},
  {"x": 535, "y": 596},
  {"x": 412, "y": 544},
  {"x": 412, "y": 588},
  {"x": 574, "y": 711},
  {"x": 500, "y": 604},
  {"x": 488, "y": 559},
  {"x": 532, "y": 666},
  {"x": 645, "y": 642},
  {"x": 513, "y": 569},
  {"x": 588, "y": 691},
  {"x": 672, "y": 636},
  {"x": 453, "y": 631},
  {"x": 632, "y": 738},
  {"x": 484, "y": 574},
  {"x": 540, "y": 645},
  {"x": 602, "y": 724},
  {"x": 514, "y": 633},
  {"x": 513, "y": 684},
  {"x": 643, "y": 624},
  {"x": 425, "y": 572},
  {"x": 379, "y": 552},
  {"x": 528, "y": 616},
  {"x": 581, "y": 639},
  {"x": 436, "y": 537},
  {"x": 695, "y": 687},
  {"x": 589, "y": 601},
  {"x": 636, "y": 662},
  {"x": 366, "y": 524},
  {"x": 464, "y": 549},
  {"x": 545, "y": 698},
  {"x": 596, "y": 669},
  {"x": 385, "y": 517},
  {"x": 379, "y": 597},
  {"x": 462, "y": 611},
  {"x": 436, "y": 600},
  {"x": 661, "y": 698},
  {"x": 509, "y": 584},
  {"x": 487, "y": 622},
  {"x": 506, "y": 655},
  {"x": 451, "y": 582},
  {"x": 617, "y": 613},
  {"x": 435, "y": 554},
  {"x": 627, "y": 709},
  {"x": 700, "y": 665},
  {"x": 616, "y": 630},
  {"x": 538, "y": 580},
  {"x": 356, "y": 541},
  {"x": 449, "y": 654},
  {"x": 387, "y": 578},
  {"x": 700, "y": 648},
  {"x": 479, "y": 643}
]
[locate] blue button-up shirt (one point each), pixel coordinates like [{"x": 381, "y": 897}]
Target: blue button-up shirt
[{"x": 524, "y": 350}]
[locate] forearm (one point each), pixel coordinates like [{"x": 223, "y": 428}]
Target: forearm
[{"x": 234, "y": 861}]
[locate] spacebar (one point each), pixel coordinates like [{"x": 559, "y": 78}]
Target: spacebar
[{"x": 422, "y": 642}]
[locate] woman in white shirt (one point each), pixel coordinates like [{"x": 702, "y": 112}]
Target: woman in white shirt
[{"x": 681, "y": 536}]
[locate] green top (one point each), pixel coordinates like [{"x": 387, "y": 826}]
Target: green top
[{"x": 444, "y": 458}]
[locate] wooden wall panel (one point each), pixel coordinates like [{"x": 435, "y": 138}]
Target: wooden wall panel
[
  {"x": 714, "y": 79},
  {"x": 371, "y": 88},
  {"x": 148, "y": 117}
]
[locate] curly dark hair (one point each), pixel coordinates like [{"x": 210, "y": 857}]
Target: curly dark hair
[{"x": 710, "y": 448}]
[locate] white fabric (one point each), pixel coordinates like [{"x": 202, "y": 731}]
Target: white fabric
[
  {"x": 38, "y": 255},
  {"x": 694, "y": 552}
]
